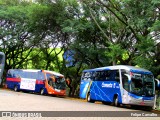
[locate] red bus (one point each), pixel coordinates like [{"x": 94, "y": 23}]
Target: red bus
[{"x": 38, "y": 81}]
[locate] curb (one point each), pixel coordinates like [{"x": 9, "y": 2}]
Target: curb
[{"x": 156, "y": 111}]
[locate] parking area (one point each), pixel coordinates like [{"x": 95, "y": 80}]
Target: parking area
[{"x": 49, "y": 105}]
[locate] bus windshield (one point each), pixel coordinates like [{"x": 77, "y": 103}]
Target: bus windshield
[
  {"x": 57, "y": 82},
  {"x": 142, "y": 84}
]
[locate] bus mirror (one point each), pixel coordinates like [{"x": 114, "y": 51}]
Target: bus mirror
[
  {"x": 157, "y": 84},
  {"x": 128, "y": 77}
]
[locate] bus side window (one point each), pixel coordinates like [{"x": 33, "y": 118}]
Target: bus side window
[
  {"x": 89, "y": 76},
  {"x": 86, "y": 76},
  {"x": 40, "y": 76},
  {"x": 94, "y": 76},
  {"x": 107, "y": 75},
  {"x": 9, "y": 74},
  {"x": 97, "y": 75},
  {"x": 117, "y": 78},
  {"x": 114, "y": 75},
  {"x": 103, "y": 76},
  {"x": 48, "y": 76}
]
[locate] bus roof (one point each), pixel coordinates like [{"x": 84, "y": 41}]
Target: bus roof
[
  {"x": 27, "y": 70},
  {"x": 38, "y": 70},
  {"x": 52, "y": 72},
  {"x": 126, "y": 67}
]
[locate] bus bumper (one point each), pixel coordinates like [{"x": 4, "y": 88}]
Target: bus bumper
[{"x": 140, "y": 101}]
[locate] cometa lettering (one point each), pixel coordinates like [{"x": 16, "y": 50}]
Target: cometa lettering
[{"x": 107, "y": 85}]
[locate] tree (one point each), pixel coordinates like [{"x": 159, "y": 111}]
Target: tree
[
  {"x": 128, "y": 25},
  {"x": 23, "y": 33}
]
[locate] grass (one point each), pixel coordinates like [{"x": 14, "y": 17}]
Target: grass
[{"x": 158, "y": 104}]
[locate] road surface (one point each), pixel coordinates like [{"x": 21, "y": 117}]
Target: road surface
[{"x": 20, "y": 103}]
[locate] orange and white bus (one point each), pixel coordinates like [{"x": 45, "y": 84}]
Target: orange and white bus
[{"x": 38, "y": 81}]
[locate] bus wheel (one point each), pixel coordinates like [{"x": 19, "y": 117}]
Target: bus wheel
[
  {"x": 42, "y": 91},
  {"x": 16, "y": 88},
  {"x": 106, "y": 103},
  {"x": 116, "y": 101},
  {"x": 89, "y": 98}
]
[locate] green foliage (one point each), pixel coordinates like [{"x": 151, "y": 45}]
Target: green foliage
[
  {"x": 158, "y": 77},
  {"x": 156, "y": 2},
  {"x": 156, "y": 26},
  {"x": 26, "y": 27},
  {"x": 13, "y": 12},
  {"x": 145, "y": 45},
  {"x": 144, "y": 61},
  {"x": 144, "y": 56},
  {"x": 39, "y": 59},
  {"x": 115, "y": 52}
]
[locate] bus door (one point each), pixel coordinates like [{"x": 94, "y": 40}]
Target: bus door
[
  {"x": 126, "y": 85},
  {"x": 2, "y": 63},
  {"x": 85, "y": 84},
  {"x": 49, "y": 80}
]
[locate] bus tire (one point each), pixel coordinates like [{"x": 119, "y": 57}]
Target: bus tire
[
  {"x": 42, "y": 91},
  {"x": 89, "y": 98},
  {"x": 115, "y": 102},
  {"x": 106, "y": 103},
  {"x": 16, "y": 88}
]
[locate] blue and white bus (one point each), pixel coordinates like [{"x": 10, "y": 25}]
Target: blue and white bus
[
  {"x": 120, "y": 84},
  {"x": 2, "y": 63}
]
